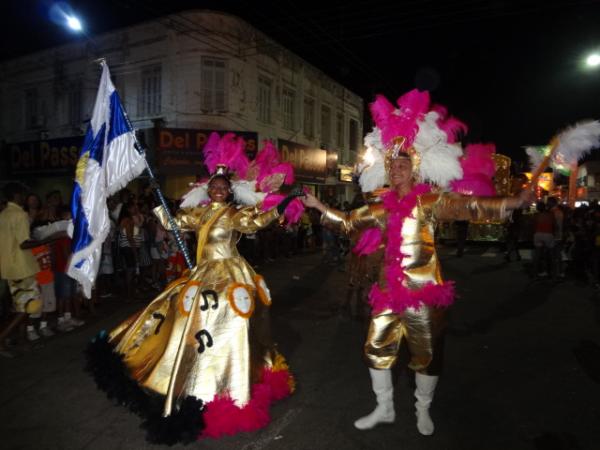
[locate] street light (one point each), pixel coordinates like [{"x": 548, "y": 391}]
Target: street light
[
  {"x": 593, "y": 60},
  {"x": 63, "y": 15},
  {"x": 74, "y": 23}
]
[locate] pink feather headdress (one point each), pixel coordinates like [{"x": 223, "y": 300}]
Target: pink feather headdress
[
  {"x": 478, "y": 169},
  {"x": 423, "y": 132},
  {"x": 268, "y": 164},
  {"x": 402, "y": 121},
  {"x": 226, "y": 152},
  {"x": 450, "y": 125}
]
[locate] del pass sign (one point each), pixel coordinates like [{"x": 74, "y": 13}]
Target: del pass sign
[{"x": 179, "y": 150}]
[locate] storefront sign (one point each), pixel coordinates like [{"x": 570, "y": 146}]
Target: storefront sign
[
  {"x": 52, "y": 157},
  {"x": 179, "y": 150},
  {"x": 310, "y": 164}
]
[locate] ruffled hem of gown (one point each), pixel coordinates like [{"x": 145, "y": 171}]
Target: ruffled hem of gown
[{"x": 194, "y": 419}]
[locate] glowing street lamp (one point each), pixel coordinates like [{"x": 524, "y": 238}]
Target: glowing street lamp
[
  {"x": 63, "y": 15},
  {"x": 74, "y": 23},
  {"x": 593, "y": 60}
]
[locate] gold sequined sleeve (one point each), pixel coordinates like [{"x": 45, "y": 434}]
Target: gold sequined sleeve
[
  {"x": 251, "y": 219},
  {"x": 462, "y": 207},
  {"x": 351, "y": 222},
  {"x": 184, "y": 219}
]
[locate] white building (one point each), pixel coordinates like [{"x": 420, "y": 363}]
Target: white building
[
  {"x": 588, "y": 181},
  {"x": 179, "y": 77}
]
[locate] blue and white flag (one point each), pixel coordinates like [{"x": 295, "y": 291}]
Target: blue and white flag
[{"x": 108, "y": 161}]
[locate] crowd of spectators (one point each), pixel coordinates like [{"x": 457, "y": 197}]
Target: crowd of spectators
[
  {"x": 139, "y": 258},
  {"x": 565, "y": 241}
]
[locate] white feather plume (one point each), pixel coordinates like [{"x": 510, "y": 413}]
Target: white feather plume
[
  {"x": 373, "y": 139},
  {"x": 197, "y": 195},
  {"x": 440, "y": 163},
  {"x": 244, "y": 192},
  {"x": 372, "y": 169},
  {"x": 535, "y": 157},
  {"x": 577, "y": 141}
]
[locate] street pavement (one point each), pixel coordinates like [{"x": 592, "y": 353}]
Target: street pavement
[{"x": 522, "y": 371}]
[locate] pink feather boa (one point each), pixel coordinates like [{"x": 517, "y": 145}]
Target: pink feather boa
[
  {"x": 397, "y": 296},
  {"x": 223, "y": 417}
]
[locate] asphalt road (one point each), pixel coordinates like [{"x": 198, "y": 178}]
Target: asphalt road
[{"x": 522, "y": 371}]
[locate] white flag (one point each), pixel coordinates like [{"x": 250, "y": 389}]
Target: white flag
[{"x": 108, "y": 161}]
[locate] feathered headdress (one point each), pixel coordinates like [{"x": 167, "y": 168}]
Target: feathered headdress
[
  {"x": 225, "y": 155},
  {"x": 252, "y": 183},
  {"x": 566, "y": 149},
  {"x": 478, "y": 167},
  {"x": 427, "y": 135}
]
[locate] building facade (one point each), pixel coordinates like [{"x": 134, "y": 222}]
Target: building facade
[
  {"x": 588, "y": 181},
  {"x": 180, "y": 77}
]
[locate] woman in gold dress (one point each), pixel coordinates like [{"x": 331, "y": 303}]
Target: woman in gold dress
[{"x": 199, "y": 359}]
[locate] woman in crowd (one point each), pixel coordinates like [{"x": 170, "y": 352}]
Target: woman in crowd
[{"x": 128, "y": 246}]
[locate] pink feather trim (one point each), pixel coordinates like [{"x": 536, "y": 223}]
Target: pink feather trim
[
  {"x": 266, "y": 159},
  {"x": 478, "y": 169},
  {"x": 474, "y": 184},
  {"x": 479, "y": 158},
  {"x": 294, "y": 211},
  {"x": 287, "y": 170},
  {"x": 269, "y": 163},
  {"x": 369, "y": 242},
  {"x": 211, "y": 152},
  {"x": 452, "y": 126},
  {"x": 223, "y": 417},
  {"x": 271, "y": 201},
  {"x": 439, "y": 295},
  {"x": 396, "y": 295}
]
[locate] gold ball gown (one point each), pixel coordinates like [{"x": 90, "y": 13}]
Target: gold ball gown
[{"x": 199, "y": 359}]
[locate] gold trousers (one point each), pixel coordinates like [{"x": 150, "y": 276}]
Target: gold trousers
[{"x": 421, "y": 328}]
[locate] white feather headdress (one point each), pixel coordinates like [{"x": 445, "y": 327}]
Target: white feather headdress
[
  {"x": 372, "y": 167},
  {"x": 417, "y": 130},
  {"x": 439, "y": 159}
]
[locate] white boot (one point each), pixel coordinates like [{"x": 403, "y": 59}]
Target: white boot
[
  {"x": 384, "y": 391},
  {"x": 424, "y": 394}
]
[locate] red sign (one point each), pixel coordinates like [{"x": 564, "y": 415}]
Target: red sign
[
  {"x": 310, "y": 164},
  {"x": 49, "y": 157},
  {"x": 179, "y": 150}
]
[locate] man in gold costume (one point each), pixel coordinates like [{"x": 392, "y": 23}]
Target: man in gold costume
[{"x": 410, "y": 297}]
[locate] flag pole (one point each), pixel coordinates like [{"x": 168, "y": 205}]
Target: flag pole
[{"x": 161, "y": 197}]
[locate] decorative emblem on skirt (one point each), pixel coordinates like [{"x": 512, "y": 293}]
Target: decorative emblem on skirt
[
  {"x": 241, "y": 299},
  {"x": 262, "y": 290},
  {"x": 186, "y": 297},
  {"x": 209, "y": 298}
]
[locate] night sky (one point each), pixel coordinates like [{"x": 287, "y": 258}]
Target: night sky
[{"x": 512, "y": 70}]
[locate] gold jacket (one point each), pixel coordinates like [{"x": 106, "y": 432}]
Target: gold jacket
[{"x": 420, "y": 263}]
